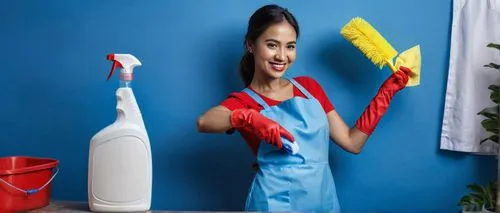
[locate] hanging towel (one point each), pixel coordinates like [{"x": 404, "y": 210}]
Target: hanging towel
[{"x": 475, "y": 24}]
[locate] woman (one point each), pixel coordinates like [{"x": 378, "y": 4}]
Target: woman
[{"x": 271, "y": 108}]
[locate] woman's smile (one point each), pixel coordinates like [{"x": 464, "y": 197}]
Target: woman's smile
[{"x": 278, "y": 67}]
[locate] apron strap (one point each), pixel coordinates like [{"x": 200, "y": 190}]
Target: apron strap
[
  {"x": 256, "y": 97},
  {"x": 301, "y": 88},
  {"x": 260, "y": 101}
]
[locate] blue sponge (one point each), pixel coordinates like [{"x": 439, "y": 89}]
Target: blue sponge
[{"x": 291, "y": 147}]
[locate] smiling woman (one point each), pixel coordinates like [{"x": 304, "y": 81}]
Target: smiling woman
[
  {"x": 270, "y": 42},
  {"x": 273, "y": 109}
]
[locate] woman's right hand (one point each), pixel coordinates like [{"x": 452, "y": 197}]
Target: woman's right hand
[{"x": 264, "y": 128}]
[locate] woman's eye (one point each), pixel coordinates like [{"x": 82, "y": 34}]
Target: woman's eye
[
  {"x": 291, "y": 46},
  {"x": 271, "y": 45}
]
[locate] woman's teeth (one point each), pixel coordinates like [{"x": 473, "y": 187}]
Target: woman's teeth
[{"x": 278, "y": 67}]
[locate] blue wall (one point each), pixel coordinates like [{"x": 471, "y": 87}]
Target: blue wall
[{"x": 55, "y": 96}]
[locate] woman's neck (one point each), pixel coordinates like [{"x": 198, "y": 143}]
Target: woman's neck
[{"x": 265, "y": 84}]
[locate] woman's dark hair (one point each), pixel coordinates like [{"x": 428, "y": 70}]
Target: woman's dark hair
[{"x": 258, "y": 23}]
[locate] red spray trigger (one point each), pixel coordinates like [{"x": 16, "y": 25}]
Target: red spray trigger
[{"x": 116, "y": 64}]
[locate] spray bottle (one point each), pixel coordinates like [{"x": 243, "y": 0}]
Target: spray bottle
[{"x": 120, "y": 162}]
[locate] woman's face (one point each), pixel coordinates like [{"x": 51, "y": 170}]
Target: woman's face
[{"x": 274, "y": 51}]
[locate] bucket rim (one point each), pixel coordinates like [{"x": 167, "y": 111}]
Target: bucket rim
[{"x": 50, "y": 164}]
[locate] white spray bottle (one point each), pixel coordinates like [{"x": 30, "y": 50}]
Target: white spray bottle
[{"x": 120, "y": 162}]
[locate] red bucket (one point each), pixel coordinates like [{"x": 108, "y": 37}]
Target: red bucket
[{"x": 25, "y": 182}]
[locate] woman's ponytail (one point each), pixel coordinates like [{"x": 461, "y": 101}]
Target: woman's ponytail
[{"x": 247, "y": 68}]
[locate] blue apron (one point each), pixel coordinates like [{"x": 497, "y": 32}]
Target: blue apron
[{"x": 300, "y": 182}]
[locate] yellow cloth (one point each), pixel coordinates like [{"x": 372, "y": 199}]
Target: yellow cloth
[{"x": 411, "y": 59}]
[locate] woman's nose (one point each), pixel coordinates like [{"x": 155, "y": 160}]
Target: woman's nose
[{"x": 280, "y": 55}]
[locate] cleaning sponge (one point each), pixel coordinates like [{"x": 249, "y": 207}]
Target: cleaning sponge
[{"x": 290, "y": 147}]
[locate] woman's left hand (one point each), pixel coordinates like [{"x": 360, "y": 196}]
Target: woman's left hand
[
  {"x": 397, "y": 80},
  {"x": 379, "y": 104}
]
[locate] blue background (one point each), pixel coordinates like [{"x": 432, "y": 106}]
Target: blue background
[{"x": 55, "y": 96}]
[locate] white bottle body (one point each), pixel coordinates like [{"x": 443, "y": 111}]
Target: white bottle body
[{"x": 120, "y": 161}]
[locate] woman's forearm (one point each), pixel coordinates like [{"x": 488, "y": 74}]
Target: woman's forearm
[
  {"x": 215, "y": 120},
  {"x": 357, "y": 139}
]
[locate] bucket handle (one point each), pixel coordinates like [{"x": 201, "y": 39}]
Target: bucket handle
[{"x": 32, "y": 191}]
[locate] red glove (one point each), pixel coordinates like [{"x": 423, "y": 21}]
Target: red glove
[
  {"x": 264, "y": 128},
  {"x": 379, "y": 104}
]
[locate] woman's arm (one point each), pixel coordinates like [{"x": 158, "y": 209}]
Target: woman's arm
[
  {"x": 350, "y": 139},
  {"x": 219, "y": 119},
  {"x": 215, "y": 120},
  {"x": 353, "y": 139}
]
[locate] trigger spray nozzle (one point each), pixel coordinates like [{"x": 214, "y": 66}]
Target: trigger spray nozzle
[
  {"x": 126, "y": 62},
  {"x": 111, "y": 57}
]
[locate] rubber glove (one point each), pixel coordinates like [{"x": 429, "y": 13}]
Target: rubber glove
[
  {"x": 264, "y": 128},
  {"x": 369, "y": 119}
]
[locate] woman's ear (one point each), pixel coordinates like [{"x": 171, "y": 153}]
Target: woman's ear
[{"x": 250, "y": 46}]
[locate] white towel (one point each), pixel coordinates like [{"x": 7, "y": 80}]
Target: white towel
[{"x": 475, "y": 24}]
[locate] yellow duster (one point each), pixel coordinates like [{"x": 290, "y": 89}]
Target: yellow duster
[{"x": 369, "y": 41}]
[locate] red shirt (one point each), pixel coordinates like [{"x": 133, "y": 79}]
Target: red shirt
[{"x": 239, "y": 100}]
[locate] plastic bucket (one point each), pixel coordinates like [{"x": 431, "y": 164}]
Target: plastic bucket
[{"x": 25, "y": 182}]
